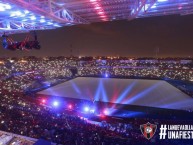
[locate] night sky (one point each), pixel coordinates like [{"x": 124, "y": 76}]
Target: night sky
[{"x": 173, "y": 35}]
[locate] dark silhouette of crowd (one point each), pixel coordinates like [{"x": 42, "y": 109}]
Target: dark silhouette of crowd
[{"x": 23, "y": 115}]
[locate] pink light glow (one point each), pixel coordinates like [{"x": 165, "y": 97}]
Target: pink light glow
[
  {"x": 96, "y": 4},
  {"x": 70, "y": 106},
  {"x": 101, "y": 12},
  {"x": 106, "y": 112},
  {"x": 97, "y": 7},
  {"x": 102, "y": 16},
  {"x": 43, "y": 101}
]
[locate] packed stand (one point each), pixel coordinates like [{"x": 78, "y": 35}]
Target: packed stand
[{"x": 26, "y": 117}]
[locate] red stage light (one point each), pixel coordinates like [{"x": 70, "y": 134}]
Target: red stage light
[
  {"x": 43, "y": 101},
  {"x": 101, "y": 12},
  {"x": 103, "y": 16},
  {"x": 102, "y": 116},
  {"x": 97, "y": 7},
  {"x": 70, "y": 106},
  {"x": 106, "y": 112},
  {"x": 104, "y": 19}
]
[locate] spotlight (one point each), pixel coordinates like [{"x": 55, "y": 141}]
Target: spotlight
[
  {"x": 86, "y": 109},
  {"x": 106, "y": 75},
  {"x": 102, "y": 16},
  {"x": 7, "y": 6},
  {"x": 106, "y": 112},
  {"x": 55, "y": 103},
  {"x": 97, "y": 7},
  {"x": 33, "y": 18},
  {"x": 42, "y": 20},
  {"x": 43, "y": 101},
  {"x": 49, "y": 23},
  {"x": 26, "y": 11},
  {"x": 18, "y": 13},
  {"x": 2, "y": 9},
  {"x": 101, "y": 13},
  {"x": 70, "y": 106}
]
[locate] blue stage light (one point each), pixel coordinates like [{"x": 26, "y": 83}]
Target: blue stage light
[
  {"x": 50, "y": 23},
  {"x": 42, "y": 20},
  {"x": 86, "y": 109},
  {"x": 22, "y": 15},
  {"x": 12, "y": 14},
  {"x": 56, "y": 25},
  {"x": 33, "y": 18},
  {"x": 18, "y": 13},
  {"x": 154, "y": 6},
  {"x": 55, "y": 103},
  {"x": 26, "y": 11},
  {"x": 2, "y": 9},
  {"x": 106, "y": 75}
]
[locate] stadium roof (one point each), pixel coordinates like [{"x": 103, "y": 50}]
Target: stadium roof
[{"x": 17, "y": 16}]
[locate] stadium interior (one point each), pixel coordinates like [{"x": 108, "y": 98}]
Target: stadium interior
[{"x": 99, "y": 100}]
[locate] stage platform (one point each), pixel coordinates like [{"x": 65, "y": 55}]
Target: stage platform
[{"x": 134, "y": 92}]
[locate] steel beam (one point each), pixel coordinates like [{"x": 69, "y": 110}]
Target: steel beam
[
  {"x": 142, "y": 7},
  {"x": 47, "y": 11}
]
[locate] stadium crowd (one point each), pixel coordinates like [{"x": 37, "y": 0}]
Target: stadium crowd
[
  {"x": 59, "y": 67},
  {"x": 25, "y": 116},
  {"x": 18, "y": 74}
]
